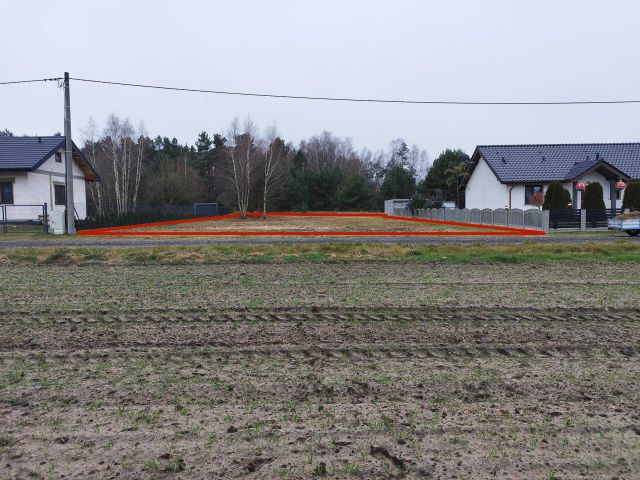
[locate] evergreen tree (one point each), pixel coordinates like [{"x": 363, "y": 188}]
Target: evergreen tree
[
  {"x": 322, "y": 187},
  {"x": 398, "y": 183},
  {"x": 593, "y": 197},
  {"x": 400, "y": 156},
  {"x": 355, "y": 194},
  {"x": 204, "y": 142},
  {"x": 631, "y": 198},
  {"x": 204, "y": 162},
  {"x": 556, "y": 197},
  {"x": 437, "y": 183}
]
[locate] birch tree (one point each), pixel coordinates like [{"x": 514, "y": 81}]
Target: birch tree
[
  {"x": 124, "y": 153},
  {"x": 274, "y": 157},
  {"x": 243, "y": 156}
]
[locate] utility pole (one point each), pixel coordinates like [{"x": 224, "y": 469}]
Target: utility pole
[{"x": 68, "y": 159}]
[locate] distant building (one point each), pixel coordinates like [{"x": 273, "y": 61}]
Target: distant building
[
  {"x": 510, "y": 175},
  {"x": 390, "y": 205},
  {"x": 32, "y": 172}
]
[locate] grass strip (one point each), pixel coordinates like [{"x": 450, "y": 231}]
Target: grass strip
[{"x": 526, "y": 252}]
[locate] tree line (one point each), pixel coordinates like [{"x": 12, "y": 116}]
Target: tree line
[{"x": 251, "y": 170}]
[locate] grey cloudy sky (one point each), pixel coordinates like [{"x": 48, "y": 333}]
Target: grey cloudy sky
[{"x": 451, "y": 50}]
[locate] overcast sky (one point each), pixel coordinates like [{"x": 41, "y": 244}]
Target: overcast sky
[{"x": 428, "y": 50}]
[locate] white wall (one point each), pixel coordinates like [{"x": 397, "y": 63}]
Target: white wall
[
  {"x": 391, "y": 205},
  {"x": 36, "y": 188},
  {"x": 484, "y": 190}
]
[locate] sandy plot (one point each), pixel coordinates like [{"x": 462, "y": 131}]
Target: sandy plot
[{"x": 309, "y": 224}]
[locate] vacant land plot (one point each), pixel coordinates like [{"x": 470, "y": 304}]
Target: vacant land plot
[
  {"x": 294, "y": 369},
  {"x": 276, "y": 223}
]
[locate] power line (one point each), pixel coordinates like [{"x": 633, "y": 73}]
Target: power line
[
  {"x": 31, "y": 81},
  {"x": 335, "y": 99},
  {"x": 358, "y": 100}
]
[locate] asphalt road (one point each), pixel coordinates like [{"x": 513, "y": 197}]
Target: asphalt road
[{"x": 152, "y": 242}]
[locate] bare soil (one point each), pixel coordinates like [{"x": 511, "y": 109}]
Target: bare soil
[
  {"x": 310, "y": 224},
  {"x": 337, "y": 370}
]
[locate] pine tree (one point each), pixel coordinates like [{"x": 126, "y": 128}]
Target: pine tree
[
  {"x": 355, "y": 194},
  {"x": 398, "y": 183}
]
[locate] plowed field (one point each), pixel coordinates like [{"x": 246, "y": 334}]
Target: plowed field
[{"x": 294, "y": 370}]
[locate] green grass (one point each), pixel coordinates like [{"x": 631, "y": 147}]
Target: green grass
[{"x": 526, "y": 252}]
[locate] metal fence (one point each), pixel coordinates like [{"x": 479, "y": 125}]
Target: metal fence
[
  {"x": 598, "y": 218},
  {"x": 150, "y": 214},
  {"x": 567, "y": 219},
  {"x": 24, "y": 218}
]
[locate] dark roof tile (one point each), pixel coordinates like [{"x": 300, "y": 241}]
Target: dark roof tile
[
  {"x": 28, "y": 153},
  {"x": 24, "y": 153},
  {"x": 562, "y": 162}
]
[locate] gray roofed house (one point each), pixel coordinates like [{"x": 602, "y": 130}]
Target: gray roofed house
[
  {"x": 508, "y": 176},
  {"x": 32, "y": 172}
]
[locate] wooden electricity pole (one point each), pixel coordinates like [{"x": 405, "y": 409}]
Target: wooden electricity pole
[{"x": 68, "y": 156}]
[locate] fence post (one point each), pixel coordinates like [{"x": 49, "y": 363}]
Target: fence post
[
  {"x": 583, "y": 220},
  {"x": 4, "y": 218},
  {"x": 545, "y": 221},
  {"x": 45, "y": 218}
]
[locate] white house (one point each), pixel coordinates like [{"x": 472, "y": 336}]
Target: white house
[
  {"x": 32, "y": 172},
  {"x": 508, "y": 176}
]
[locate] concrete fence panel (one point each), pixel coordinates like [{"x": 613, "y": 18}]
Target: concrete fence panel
[
  {"x": 515, "y": 217},
  {"x": 487, "y": 216},
  {"x": 500, "y": 217},
  {"x": 533, "y": 219}
]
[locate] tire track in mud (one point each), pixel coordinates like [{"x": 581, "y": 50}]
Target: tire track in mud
[
  {"x": 314, "y": 333},
  {"x": 324, "y": 314},
  {"x": 154, "y": 350}
]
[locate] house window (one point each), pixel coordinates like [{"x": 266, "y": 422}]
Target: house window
[
  {"x": 59, "y": 195},
  {"x": 618, "y": 194},
  {"x": 6, "y": 192},
  {"x": 58, "y": 157},
  {"x": 530, "y": 192}
]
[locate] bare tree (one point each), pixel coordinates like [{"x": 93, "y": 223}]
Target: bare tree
[
  {"x": 419, "y": 160},
  {"x": 274, "y": 157},
  {"x": 124, "y": 152},
  {"x": 244, "y": 158},
  {"x": 173, "y": 183},
  {"x": 327, "y": 151},
  {"x": 90, "y": 148}
]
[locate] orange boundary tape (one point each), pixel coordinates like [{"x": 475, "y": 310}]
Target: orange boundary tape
[{"x": 488, "y": 229}]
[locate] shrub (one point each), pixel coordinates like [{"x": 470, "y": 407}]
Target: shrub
[
  {"x": 556, "y": 197},
  {"x": 631, "y": 198},
  {"x": 593, "y": 197}
]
